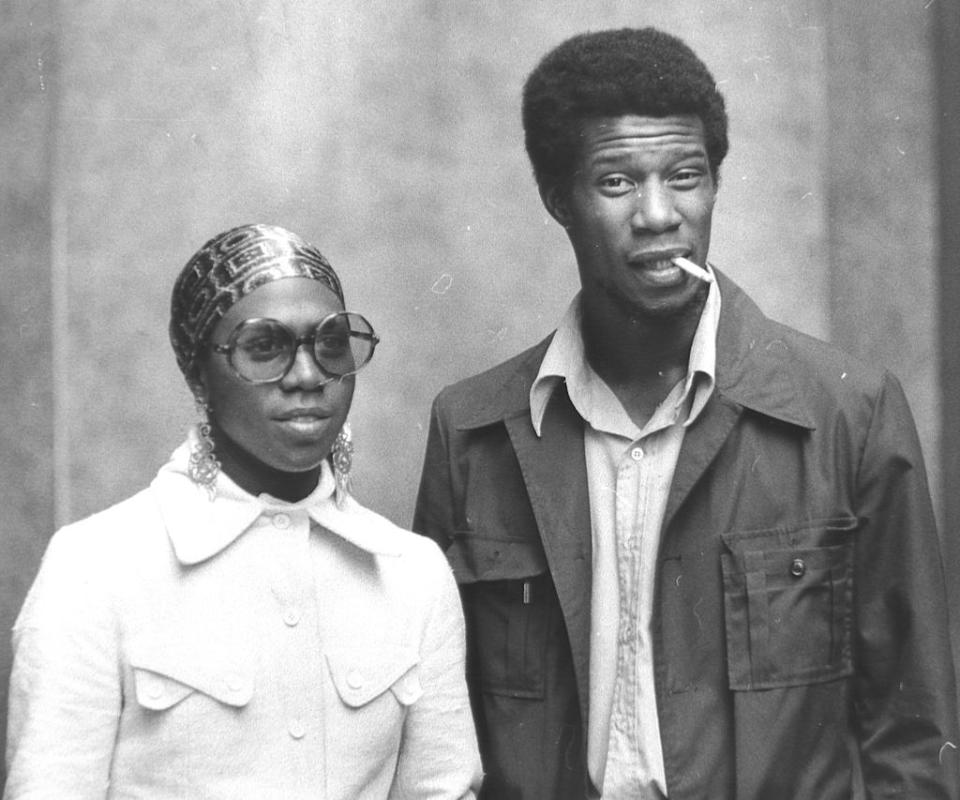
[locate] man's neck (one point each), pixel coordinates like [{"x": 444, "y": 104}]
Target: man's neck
[{"x": 640, "y": 357}]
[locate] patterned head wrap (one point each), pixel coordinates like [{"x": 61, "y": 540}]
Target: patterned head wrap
[{"x": 228, "y": 267}]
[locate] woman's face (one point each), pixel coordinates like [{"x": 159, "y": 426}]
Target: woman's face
[{"x": 289, "y": 425}]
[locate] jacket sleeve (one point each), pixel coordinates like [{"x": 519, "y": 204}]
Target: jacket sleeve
[
  {"x": 905, "y": 697},
  {"x": 438, "y": 756},
  {"x": 434, "y": 514},
  {"x": 65, "y": 691}
]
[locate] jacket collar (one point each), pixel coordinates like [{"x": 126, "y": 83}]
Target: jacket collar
[
  {"x": 200, "y": 528},
  {"x": 755, "y": 368},
  {"x": 755, "y": 365}
]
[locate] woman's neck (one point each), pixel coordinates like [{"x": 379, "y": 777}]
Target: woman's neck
[{"x": 255, "y": 477}]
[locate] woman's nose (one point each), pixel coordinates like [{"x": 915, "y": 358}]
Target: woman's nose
[{"x": 304, "y": 372}]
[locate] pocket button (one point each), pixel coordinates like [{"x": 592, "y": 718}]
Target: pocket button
[
  {"x": 355, "y": 679},
  {"x": 798, "y": 568}
]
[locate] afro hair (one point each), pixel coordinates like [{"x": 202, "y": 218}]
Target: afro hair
[{"x": 612, "y": 73}]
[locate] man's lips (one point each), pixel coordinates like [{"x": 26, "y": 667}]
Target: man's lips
[{"x": 655, "y": 259}]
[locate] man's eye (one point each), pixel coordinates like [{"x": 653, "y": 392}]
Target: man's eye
[
  {"x": 687, "y": 178},
  {"x": 615, "y": 184}
]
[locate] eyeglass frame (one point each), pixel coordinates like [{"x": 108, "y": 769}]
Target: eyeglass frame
[{"x": 298, "y": 341}]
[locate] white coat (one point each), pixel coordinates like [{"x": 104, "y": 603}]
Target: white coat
[{"x": 178, "y": 647}]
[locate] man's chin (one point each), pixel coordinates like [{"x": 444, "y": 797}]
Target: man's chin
[{"x": 671, "y": 307}]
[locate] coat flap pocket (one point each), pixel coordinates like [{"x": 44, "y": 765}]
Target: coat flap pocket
[
  {"x": 362, "y": 675},
  {"x": 164, "y": 675},
  {"x": 157, "y": 692},
  {"x": 479, "y": 558},
  {"x": 804, "y": 536}
]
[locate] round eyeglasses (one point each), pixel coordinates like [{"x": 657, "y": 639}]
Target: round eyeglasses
[{"x": 262, "y": 350}]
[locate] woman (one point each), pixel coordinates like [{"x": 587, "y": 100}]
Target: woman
[{"x": 243, "y": 628}]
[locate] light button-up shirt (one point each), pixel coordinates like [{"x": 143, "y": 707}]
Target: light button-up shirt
[{"x": 629, "y": 473}]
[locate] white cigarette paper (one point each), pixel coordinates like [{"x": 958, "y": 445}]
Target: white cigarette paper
[{"x": 694, "y": 269}]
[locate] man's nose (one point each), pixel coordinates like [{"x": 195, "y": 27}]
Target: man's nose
[{"x": 655, "y": 209}]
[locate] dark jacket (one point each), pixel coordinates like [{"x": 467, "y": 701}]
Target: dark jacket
[{"x": 800, "y": 624}]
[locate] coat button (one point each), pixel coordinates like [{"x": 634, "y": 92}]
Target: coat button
[
  {"x": 637, "y": 453},
  {"x": 291, "y": 616},
  {"x": 296, "y": 729},
  {"x": 234, "y": 682},
  {"x": 355, "y": 679},
  {"x": 798, "y": 568}
]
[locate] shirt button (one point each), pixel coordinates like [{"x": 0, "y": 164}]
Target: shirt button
[
  {"x": 798, "y": 568},
  {"x": 291, "y": 616},
  {"x": 354, "y": 679},
  {"x": 281, "y": 521},
  {"x": 636, "y": 454},
  {"x": 296, "y": 729},
  {"x": 154, "y": 690}
]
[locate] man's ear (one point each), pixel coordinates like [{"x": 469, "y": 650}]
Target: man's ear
[{"x": 555, "y": 199}]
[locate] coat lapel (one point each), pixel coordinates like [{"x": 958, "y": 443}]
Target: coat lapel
[
  {"x": 555, "y": 473},
  {"x": 753, "y": 372}
]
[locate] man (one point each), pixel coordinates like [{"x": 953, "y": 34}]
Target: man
[{"x": 695, "y": 547}]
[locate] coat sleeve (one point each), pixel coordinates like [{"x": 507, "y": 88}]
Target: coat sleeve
[
  {"x": 438, "y": 757},
  {"x": 65, "y": 690},
  {"x": 905, "y": 697}
]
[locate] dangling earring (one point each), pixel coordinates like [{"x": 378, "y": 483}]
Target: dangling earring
[
  {"x": 204, "y": 465},
  {"x": 341, "y": 456}
]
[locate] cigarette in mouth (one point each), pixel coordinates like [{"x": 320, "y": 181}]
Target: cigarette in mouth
[{"x": 694, "y": 269}]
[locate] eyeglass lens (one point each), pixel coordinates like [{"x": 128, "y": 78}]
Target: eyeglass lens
[{"x": 263, "y": 350}]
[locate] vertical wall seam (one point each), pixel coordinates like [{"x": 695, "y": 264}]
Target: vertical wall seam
[{"x": 60, "y": 288}]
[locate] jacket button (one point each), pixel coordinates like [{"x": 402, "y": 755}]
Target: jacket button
[
  {"x": 798, "y": 568},
  {"x": 234, "y": 682},
  {"x": 355, "y": 679},
  {"x": 297, "y": 729}
]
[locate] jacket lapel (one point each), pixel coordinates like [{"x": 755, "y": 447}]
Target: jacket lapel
[
  {"x": 555, "y": 473},
  {"x": 754, "y": 372}
]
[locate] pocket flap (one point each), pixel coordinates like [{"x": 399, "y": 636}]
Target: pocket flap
[
  {"x": 156, "y": 692},
  {"x": 809, "y": 535},
  {"x": 362, "y": 675},
  {"x": 478, "y": 558},
  {"x": 163, "y": 676}
]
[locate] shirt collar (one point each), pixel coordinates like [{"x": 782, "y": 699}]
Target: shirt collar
[
  {"x": 200, "y": 528},
  {"x": 565, "y": 361}
]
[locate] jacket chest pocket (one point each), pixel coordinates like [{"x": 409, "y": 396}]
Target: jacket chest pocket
[
  {"x": 510, "y": 605},
  {"x": 165, "y": 673},
  {"x": 788, "y": 605}
]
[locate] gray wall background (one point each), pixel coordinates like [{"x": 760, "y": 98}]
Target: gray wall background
[{"x": 387, "y": 132}]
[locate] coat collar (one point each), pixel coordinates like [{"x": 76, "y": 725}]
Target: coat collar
[
  {"x": 755, "y": 369},
  {"x": 200, "y": 528}
]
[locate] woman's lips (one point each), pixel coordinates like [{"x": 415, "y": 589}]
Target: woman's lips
[{"x": 303, "y": 421}]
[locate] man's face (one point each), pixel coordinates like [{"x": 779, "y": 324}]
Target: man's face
[{"x": 641, "y": 193}]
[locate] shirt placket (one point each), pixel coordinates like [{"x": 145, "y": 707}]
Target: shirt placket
[{"x": 629, "y": 514}]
